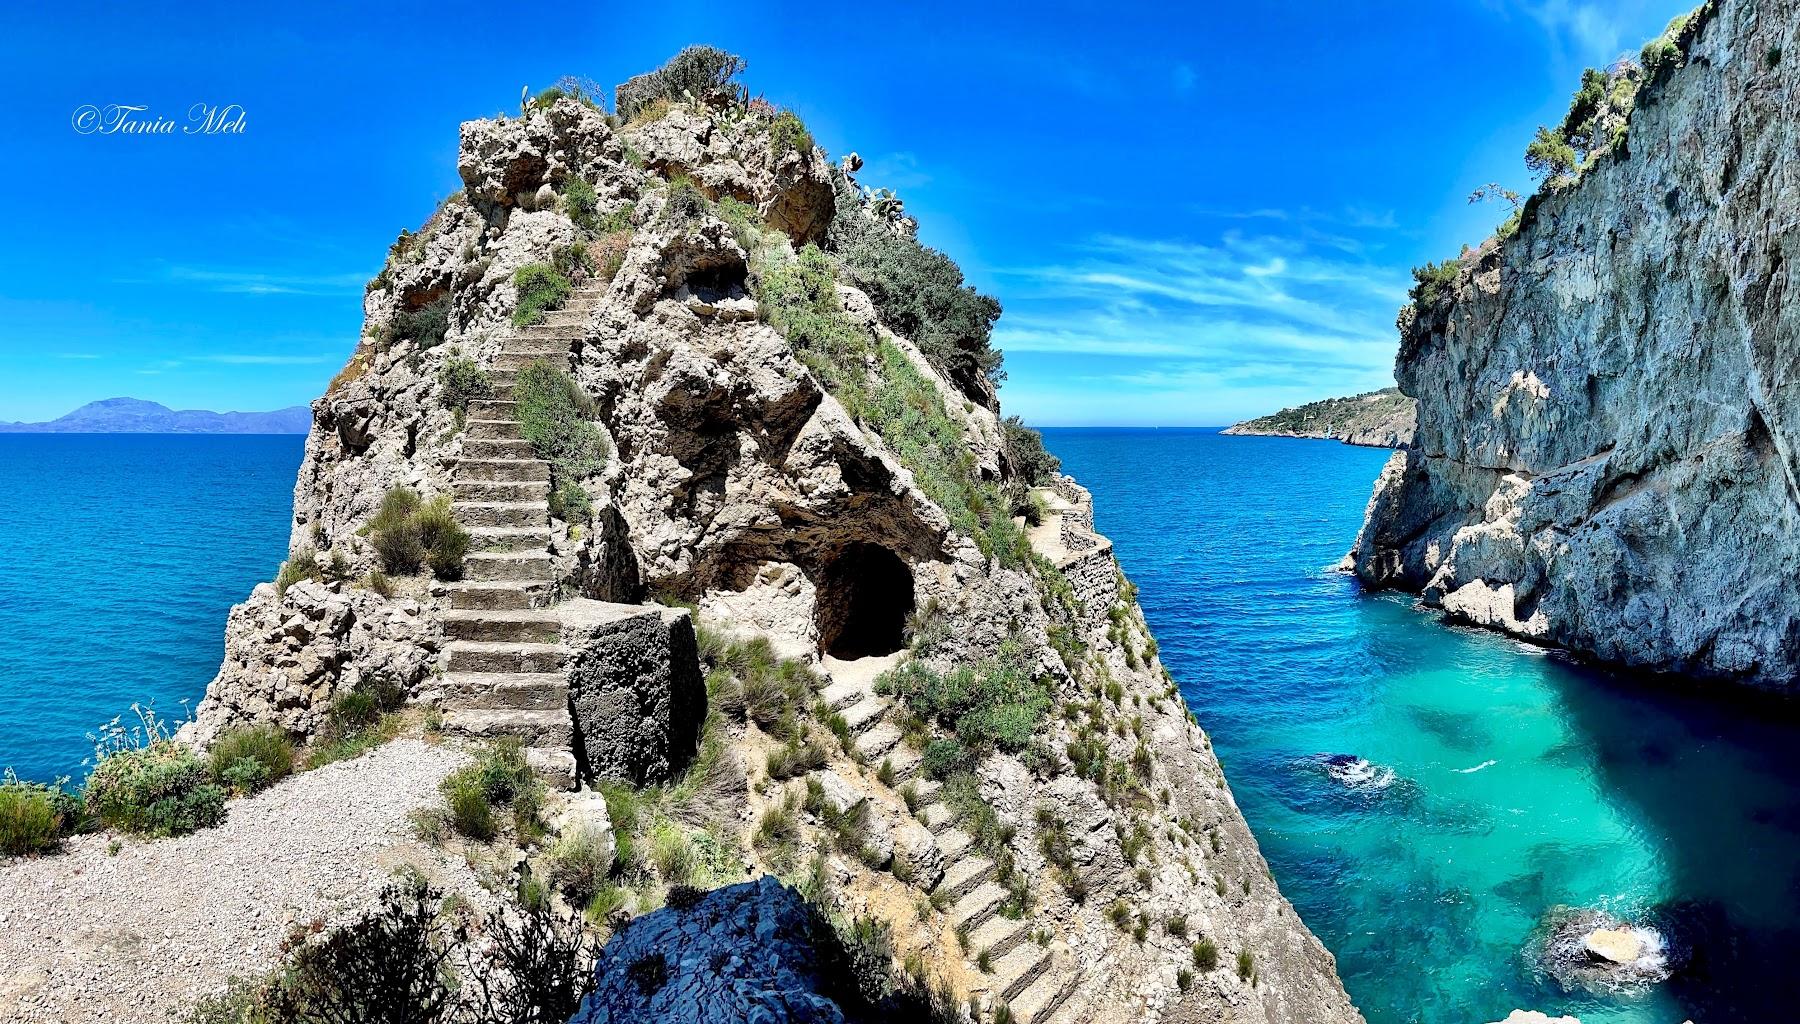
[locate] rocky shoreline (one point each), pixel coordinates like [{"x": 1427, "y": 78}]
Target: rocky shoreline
[{"x": 1377, "y": 419}]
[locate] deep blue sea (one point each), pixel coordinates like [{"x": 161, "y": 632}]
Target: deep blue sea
[
  {"x": 120, "y": 555},
  {"x": 1520, "y": 781}
]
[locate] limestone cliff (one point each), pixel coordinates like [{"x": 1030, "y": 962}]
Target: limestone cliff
[
  {"x": 1606, "y": 448},
  {"x": 1378, "y": 419},
  {"x": 783, "y": 442}
]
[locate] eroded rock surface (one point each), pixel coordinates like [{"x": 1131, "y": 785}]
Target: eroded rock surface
[
  {"x": 634, "y": 688},
  {"x": 1606, "y": 449}
]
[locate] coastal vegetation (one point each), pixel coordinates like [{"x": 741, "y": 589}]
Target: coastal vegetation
[
  {"x": 408, "y": 534},
  {"x": 556, "y": 416},
  {"x": 541, "y": 289}
]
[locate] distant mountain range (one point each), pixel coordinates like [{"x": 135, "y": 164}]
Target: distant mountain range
[{"x": 136, "y": 416}]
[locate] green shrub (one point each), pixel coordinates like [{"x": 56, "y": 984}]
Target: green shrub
[
  {"x": 1246, "y": 965},
  {"x": 426, "y": 326},
  {"x": 163, "y": 789},
  {"x": 997, "y": 704},
  {"x": 918, "y": 290},
  {"x": 579, "y": 863},
  {"x": 945, "y": 757},
  {"x": 698, "y": 71},
  {"x": 555, "y": 416},
  {"x": 462, "y": 380},
  {"x": 407, "y": 534},
  {"x": 33, "y": 817},
  {"x": 302, "y": 567},
  {"x": 249, "y": 758},
  {"x": 446, "y": 543},
  {"x": 541, "y": 289},
  {"x": 572, "y": 260},
  {"x": 788, "y": 134},
  {"x": 1206, "y": 955},
  {"x": 470, "y": 812},
  {"x": 1025, "y": 448},
  {"x": 686, "y": 203},
  {"x": 1433, "y": 281},
  {"x": 1551, "y": 155},
  {"x": 581, "y": 203}
]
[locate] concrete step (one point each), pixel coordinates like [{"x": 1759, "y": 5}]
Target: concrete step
[
  {"x": 504, "y": 491},
  {"x": 510, "y": 691},
  {"x": 537, "y": 728},
  {"x": 905, "y": 762},
  {"x": 561, "y": 332},
  {"x": 504, "y": 379},
  {"x": 936, "y": 816},
  {"x": 498, "y": 448},
  {"x": 509, "y": 538},
  {"x": 508, "y": 595},
  {"x": 554, "y": 765},
  {"x": 493, "y": 409},
  {"x": 865, "y": 714},
  {"x": 1043, "y": 998},
  {"x": 472, "y": 656},
  {"x": 509, "y": 470},
  {"x": 517, "y": 515},
  {"x": 490, "y": 566},
  {"x": 955, "y": 842},
  {"x": 872, "y": 745},
  {"x": 557, "y": 357},
  {"x": 980, "y": 904},
  {"x": 491, "y": 627},
  {"x": 1019, "y": 968},
  {"x": 964, "y": 875},
  {"x": 843, "y": 693},
  {"x": 489, "y": 429},
  {"x": 999, "y": 936}
]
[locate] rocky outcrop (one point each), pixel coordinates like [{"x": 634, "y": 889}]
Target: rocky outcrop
[
  {"x": 1378, "y": 419},
  {"x": 852, "y": 510},
  {"x": 1606, "y": 448},
  {"x": 288, "y": 655},
  {"x": 749, "y": 952},
  {"x": 634, "y": 689}
]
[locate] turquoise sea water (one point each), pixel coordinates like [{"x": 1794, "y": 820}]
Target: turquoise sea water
[
  {"x": 1522, "y": 781},
  {"x": 119, "y": 558}
]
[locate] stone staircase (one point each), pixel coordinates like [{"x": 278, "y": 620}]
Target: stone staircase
[
  {"x": 1031, "y": 980},
  {"x": 504, "y": 674}
]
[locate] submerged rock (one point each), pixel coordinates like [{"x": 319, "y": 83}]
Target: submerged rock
[{"x": 1615, "y": 945}]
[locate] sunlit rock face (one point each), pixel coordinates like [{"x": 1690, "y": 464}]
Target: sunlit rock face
[{"x": 1605, "y": 456}]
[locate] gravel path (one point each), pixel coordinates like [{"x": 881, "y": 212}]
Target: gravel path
[{"x": 88, "y": 936}]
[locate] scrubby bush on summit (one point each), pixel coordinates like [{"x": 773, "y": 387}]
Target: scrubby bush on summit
[
  {"x": 250, "y": 758},
  {"x": 1025, "y": 449},
  {"x": 162, "y": 789},
  {"x": 699, "y": 72}
]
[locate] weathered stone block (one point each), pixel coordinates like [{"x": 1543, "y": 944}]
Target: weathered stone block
[{"x": 635, "y": 688}]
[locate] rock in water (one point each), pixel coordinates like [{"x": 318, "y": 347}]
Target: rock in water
[
  {"x": 1605, "y": 450},
  {"x": 1618, "y": 945}
]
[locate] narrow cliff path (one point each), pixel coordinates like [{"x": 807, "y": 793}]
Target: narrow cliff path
[{"x": 89, "y": 935}]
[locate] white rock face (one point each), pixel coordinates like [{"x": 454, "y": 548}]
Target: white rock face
[
  {"x": 288, "y": 655},
  {"x": 1608, "y": 454}
]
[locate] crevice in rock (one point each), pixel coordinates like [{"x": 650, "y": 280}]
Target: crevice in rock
[{"x": 865, "y": 596}]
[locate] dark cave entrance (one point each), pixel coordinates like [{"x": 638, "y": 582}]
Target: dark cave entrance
[{"x": 864, "y": 599}]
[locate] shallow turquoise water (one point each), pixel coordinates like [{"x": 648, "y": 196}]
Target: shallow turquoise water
[
  {"x": 119, "y": 558},
  {"x": 1523, "y": 782}
]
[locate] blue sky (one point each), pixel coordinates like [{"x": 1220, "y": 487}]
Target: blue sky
[{"x": 1190, "y": 217}]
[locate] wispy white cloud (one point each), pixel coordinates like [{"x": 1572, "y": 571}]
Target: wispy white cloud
[
  {"x": 238, "y": 359},
  {"x": 898, "y": 171},
  {"x": 76, "y": 355},
  {"x": 257, "y": 282},
  {"x": 1247, "y": 318},
  {"x": 1596, "y": 32}
]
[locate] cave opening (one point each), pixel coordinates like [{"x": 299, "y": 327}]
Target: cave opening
[
  {"x": 863, "y": 602},
  {"x": 726, "y": 280}
]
